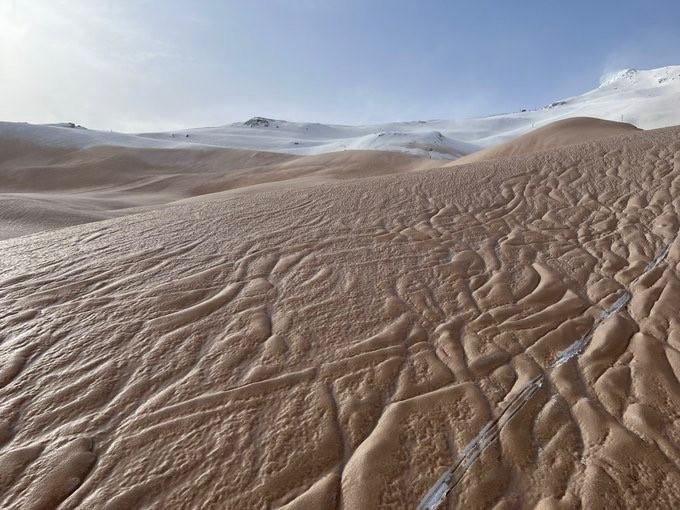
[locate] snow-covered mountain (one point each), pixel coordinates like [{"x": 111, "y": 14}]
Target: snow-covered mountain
[{"x": 648, "y": 99}]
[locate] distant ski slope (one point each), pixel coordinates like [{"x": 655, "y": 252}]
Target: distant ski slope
[{"x": 648, "y": 99}]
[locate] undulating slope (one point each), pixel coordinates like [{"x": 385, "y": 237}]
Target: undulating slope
[
  {"x": 53, "y": 177},
  {"x": 558, "y": 134},
  {"x": 340, "y": 345},
  {"x": 57, "y": 179}
]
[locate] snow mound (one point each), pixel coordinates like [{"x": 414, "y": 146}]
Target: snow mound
[{"x": 432, "y": 144}]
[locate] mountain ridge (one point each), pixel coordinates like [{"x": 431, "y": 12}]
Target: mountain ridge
[{"x": 647, "y": 99}]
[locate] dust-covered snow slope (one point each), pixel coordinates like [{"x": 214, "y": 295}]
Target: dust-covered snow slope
[
  {"x": 647, "y": 99},
  {"x": 344, "y": 345}
]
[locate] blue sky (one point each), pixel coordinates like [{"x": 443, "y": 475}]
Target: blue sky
[{"x": 147, "y": 65}]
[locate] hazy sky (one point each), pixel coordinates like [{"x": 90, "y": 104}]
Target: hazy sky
[{"x": 146, "y": 65}]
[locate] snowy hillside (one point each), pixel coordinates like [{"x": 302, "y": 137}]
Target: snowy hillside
[
  {"x": 70, "y": 136},
  {"x": 648, "y": 99},
  {"x": 420, "y": 138}
]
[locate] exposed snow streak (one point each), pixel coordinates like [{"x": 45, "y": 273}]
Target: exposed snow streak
[
  {"x": 657, "y": 260},
  {"x": 491, "y": 430},
  {"x": 579, "y": 345}
]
